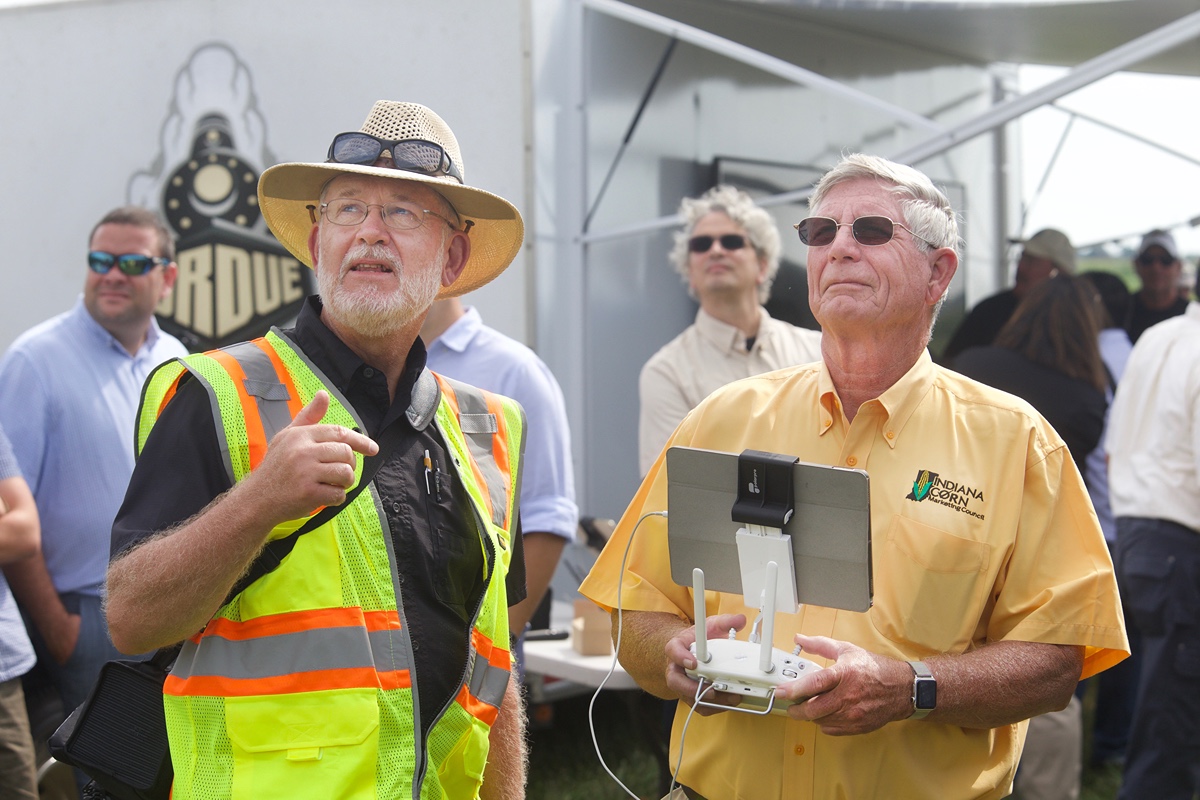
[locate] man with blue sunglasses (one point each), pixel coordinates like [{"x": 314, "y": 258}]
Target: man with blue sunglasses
[{"x": 69, "y": 392}]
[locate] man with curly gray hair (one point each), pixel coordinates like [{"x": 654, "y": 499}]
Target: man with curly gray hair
[{"x": 727, "y": 254}]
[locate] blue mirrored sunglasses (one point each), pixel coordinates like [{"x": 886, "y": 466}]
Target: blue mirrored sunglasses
[{"x": 134, "y": 264}]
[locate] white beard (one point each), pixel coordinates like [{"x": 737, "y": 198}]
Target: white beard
[{"x": 371, "y": 311}]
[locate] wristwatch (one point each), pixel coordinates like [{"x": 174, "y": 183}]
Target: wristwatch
[{"x": 924, "y": 692}]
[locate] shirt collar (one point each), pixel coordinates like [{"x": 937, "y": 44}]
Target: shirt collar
[
  {"x": 101, "y": 334},
  {"x": 459, "y": 335},
  {"x": 723, "y": 335},
  {"x": 338, "y": 362},
  {"x": 898, "y": 403}
]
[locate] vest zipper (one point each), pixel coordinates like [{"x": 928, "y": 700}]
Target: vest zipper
[{"x": 422, "y": 761}]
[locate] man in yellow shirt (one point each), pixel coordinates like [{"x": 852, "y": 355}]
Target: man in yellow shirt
[{"x": 990, "y": 569}]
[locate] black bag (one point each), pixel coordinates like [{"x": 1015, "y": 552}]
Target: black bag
[{"x": 119, "y": 735}]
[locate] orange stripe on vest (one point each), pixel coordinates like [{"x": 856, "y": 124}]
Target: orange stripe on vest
[
  {"x": 482, "y": 485},
  {"x": 300, "y": 621},
  {"x": 498, "y": 657},
  {"x": 295, "y": 401},
  {"x": 255, "y": 435},
  {"x": 500, "y": 451},
  {"x": 315, "y": 681},
  {"x": 478, "y": 709}
]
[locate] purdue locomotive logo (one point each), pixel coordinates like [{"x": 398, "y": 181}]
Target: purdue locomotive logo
[
  {"x": 933, "y": 487},
  {"x": 235, "y": 280}
]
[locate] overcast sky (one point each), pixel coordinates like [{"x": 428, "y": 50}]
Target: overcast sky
[{"x": 1104, "y": 184}]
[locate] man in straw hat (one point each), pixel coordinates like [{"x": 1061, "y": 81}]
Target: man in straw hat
[{"x": 373, "y": 659}]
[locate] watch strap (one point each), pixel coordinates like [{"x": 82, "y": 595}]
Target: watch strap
[{"x": 923, "y": 699}]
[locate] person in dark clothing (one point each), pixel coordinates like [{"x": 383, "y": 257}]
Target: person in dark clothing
[
  {"x": 1116, "y": 688},
  {"x": 1047, "y": 253},
  {"x": 1159, "y": 266},
  {"x": 1048, "y": 354}
]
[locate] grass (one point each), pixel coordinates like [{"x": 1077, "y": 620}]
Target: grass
[{"x": 563, "y": 764}]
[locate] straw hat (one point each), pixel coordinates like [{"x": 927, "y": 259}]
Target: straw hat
[{"x": 286, "y": 191}]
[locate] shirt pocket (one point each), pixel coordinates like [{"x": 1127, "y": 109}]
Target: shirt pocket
[
  {"x": 930, "y": 587},
  {"x": 325, "y": 741},
  {"x": 455, "y": 553}
]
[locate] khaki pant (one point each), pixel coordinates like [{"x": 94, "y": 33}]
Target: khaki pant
[
  {"x": 18, "y": 766},
  {"x": 1052, "y": 762}
]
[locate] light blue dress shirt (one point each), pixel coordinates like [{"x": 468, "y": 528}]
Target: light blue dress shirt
[
  {"x": 1114, "y": 351},
  {"x": 69, "y": 395},
  {"x": 473, "y": 353},
  {"x": 16, "y": 653}
]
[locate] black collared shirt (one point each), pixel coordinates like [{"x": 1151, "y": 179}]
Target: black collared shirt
[{"x": 438, "y": 548}]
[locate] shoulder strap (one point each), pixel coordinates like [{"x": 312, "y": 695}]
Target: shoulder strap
[{"x": 420, "y": 411}]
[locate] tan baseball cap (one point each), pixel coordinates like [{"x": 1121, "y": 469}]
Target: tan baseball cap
[{"x": 1054, "y": 245}]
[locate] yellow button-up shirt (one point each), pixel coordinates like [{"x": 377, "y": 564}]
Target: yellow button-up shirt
[{"x": 981, "y": 530}]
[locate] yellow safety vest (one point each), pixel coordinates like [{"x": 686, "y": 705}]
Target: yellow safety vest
[{"x": 302, "y": 685}]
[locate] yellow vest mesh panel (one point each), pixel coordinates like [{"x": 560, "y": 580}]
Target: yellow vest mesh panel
[
  {"x": 206, "y": 715},
  {"x": 157, "y": 385}
]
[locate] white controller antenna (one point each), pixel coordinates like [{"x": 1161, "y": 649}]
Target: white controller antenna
[
  {"x": 698, "y": 612},
  {"x": 768, "y": 612}
]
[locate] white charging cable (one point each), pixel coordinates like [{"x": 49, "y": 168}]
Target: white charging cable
[{"x": 616, "y": 652}]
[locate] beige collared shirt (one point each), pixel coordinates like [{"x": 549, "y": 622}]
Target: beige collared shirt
[{"x": 702, "y": 359}]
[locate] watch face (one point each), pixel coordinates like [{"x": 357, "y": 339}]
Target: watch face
[{"x": 926, "y": 691}]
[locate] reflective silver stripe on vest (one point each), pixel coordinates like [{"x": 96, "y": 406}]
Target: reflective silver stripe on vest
[
  {"x": 478, "y": 425},
  {"x": 262, "y": 383},
  {"x": 284, "y": 654},
  {"x": 487, "y": 683}
]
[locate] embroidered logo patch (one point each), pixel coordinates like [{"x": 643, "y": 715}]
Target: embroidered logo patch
[{"x": 933, "y": 487}]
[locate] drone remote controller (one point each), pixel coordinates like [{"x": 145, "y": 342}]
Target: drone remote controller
[{"x": 734, "y": 667}]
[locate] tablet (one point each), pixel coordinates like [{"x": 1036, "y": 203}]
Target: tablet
[{"x": 830, "y": 528}]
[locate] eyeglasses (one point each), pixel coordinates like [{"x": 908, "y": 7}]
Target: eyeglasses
[
  {"x": 132, "y": 264},
  {"x": 413, "y": 155},
  {"x": 1150, "y": 261},
  {"x": 871, "y": 231},
  {"x": 730, "y": 241},
  {"x": 399, "y": 216}
]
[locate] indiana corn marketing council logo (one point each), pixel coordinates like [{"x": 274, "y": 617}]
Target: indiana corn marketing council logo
[{"x": 933, "y": 487}]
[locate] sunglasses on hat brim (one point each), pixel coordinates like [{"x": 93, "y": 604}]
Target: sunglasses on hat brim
[{"x": 411, "y": 155}]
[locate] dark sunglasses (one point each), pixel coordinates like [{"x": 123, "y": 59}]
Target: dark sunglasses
[
  {"x": 101, "y": 262},
  {"x": 871, "y": 231},
  {"x": 1149, "y": 261},
  {"x": 730, "y": 241},
  {"x": 412, "y": 155}
]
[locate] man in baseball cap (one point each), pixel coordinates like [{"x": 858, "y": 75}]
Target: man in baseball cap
[
  {"x": 1159, "y": 266},
  {"x": 370, "y": 505},
  {"x": 1044, "y": 255}
]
